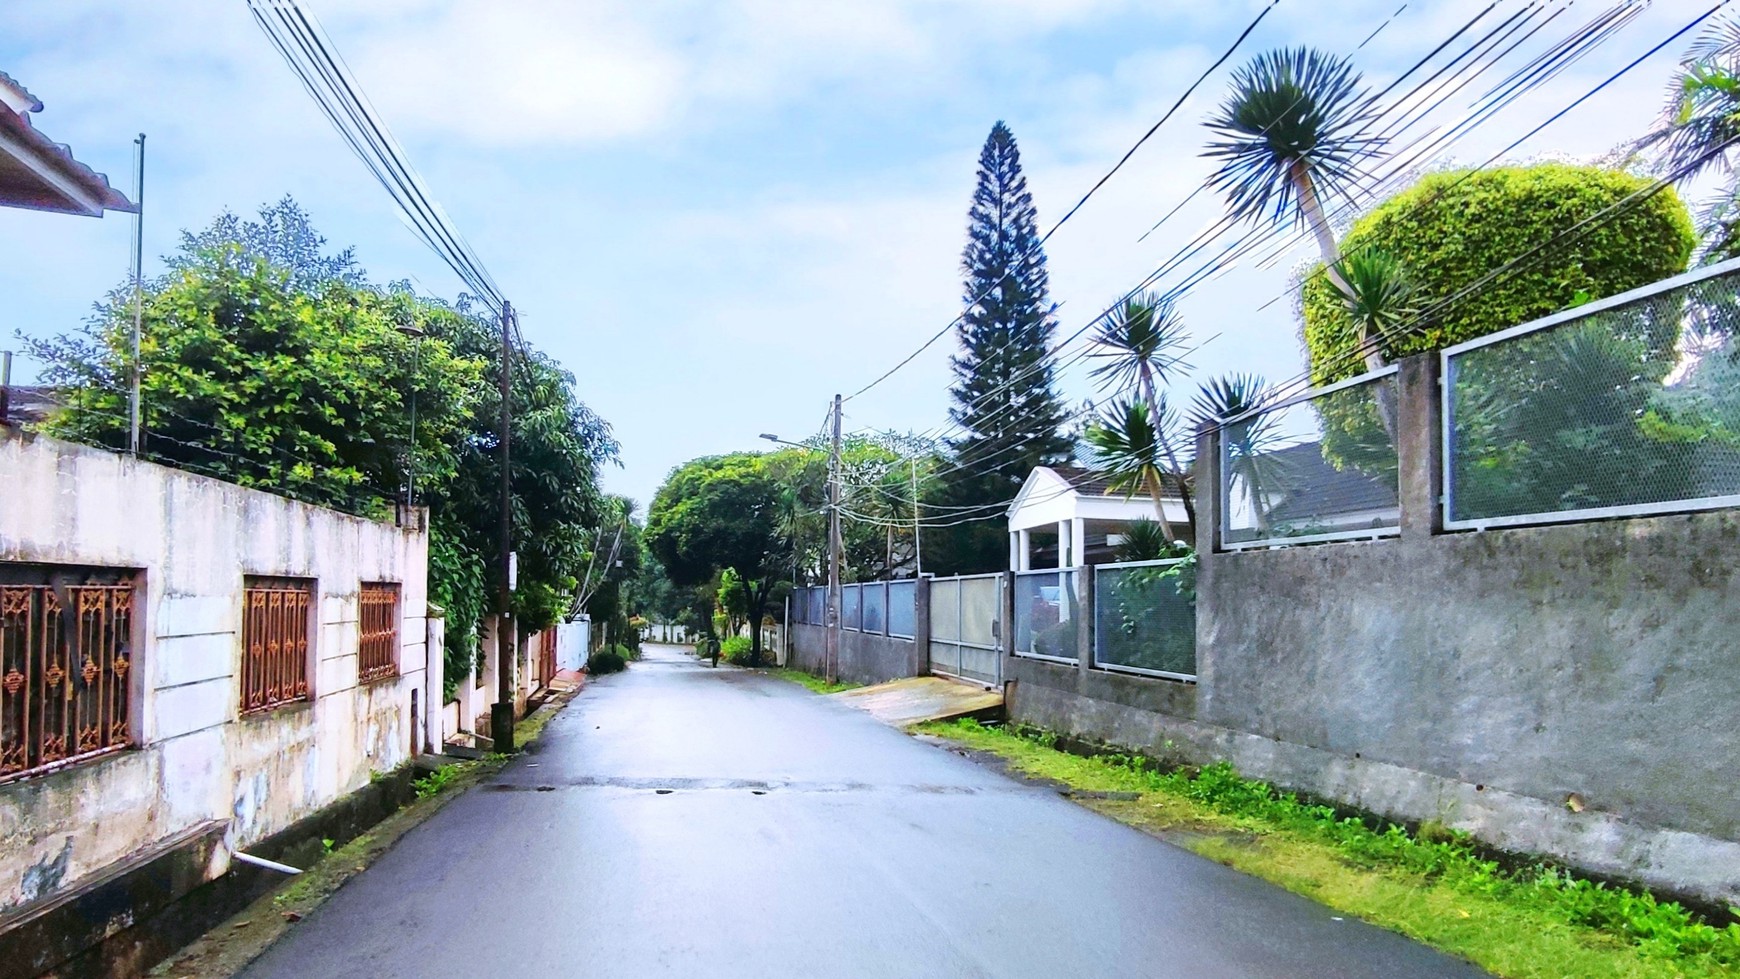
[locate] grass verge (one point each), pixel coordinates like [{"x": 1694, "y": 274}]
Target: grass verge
[
  {"x": 1531, "y": 922},
  {"x": 815, "y": 683},
  {"x": 227, "y": 949}
]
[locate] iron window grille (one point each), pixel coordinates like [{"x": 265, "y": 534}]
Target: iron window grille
[
  {"x": 275, "y": 625},
  {"x": 378, "y": 643},
  {"x": 66, "y": 652}
]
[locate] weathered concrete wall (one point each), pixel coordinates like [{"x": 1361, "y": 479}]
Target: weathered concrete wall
[
  {"x": 864, "y": 657},
  {"x": 1478, "y": 679},
  {"x": 192, "y": 539}
]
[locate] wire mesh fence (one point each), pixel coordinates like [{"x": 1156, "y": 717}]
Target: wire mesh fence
[
  {"x": 1047, "y": 607},
  {"x": 1145, "y": 618},
  {"x": 874, "y": 607},
  {"x": 1321, "y": 466},
  {"x": 1623, "y": 407},
  {"x": 902, "y": 609},
  {"x": 849, "y": 607}
]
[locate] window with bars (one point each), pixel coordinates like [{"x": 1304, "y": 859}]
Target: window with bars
[
  {"x": 275, "y": 625},
  {"x": 66, "y": 651},
  {"x": 377, "y": 654}
]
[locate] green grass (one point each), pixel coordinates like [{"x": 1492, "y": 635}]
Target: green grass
[
  {"x": 815, "y": 683},
  {"x": 1433, "y": 884}
]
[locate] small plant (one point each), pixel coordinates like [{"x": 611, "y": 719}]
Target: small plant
[
  {"x": 432, "y": 784},
  {"x": 735, "y": 650},
  {"x": 326, "y": 843},
  {"x": 606, "y": 661}
]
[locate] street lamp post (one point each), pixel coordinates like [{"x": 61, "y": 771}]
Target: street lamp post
[{"x": 415, "y": 334}]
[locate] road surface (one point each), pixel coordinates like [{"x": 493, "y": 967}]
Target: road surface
[{"x": 684, "y": 821}]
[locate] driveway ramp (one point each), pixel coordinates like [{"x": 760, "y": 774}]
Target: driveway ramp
[{"x": 924, "y": 698}]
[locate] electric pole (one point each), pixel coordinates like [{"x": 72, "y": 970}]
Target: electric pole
[
  {"x": 501, "y": 713},
  {"x": 831, "y": 651},
  {"x": 917, "y": 553}
]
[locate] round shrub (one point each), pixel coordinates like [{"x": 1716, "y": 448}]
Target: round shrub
[
  {"x": 735, "y": 650},
  {"x": 606, "y": 661},
  {"x": 1453, "y": 228}
]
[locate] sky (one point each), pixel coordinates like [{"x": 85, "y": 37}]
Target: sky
[{"x": 717, "y": 214}]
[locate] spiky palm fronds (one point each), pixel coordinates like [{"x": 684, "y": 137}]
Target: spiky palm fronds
[
  {"x": 1145, "y": 541},
  {"x": 1292, "y": 114},
  {"x": 1127, "y": 441},
  {"x": 1144, "y": 330},
  {"x": 1377, "y": 292}
]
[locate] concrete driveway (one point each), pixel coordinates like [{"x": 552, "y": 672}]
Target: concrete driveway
[{"x": 685, "y": 821}]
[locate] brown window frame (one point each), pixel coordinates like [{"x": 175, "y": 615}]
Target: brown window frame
[
  {"x": 378, "y": 619},
  {"x": 58, "y": 707},
  {"x": 277, "y": 636}
]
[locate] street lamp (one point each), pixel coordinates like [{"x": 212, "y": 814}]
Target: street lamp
[{"x": 415, "y": 334}]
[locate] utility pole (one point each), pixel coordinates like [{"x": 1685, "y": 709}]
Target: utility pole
[
  {"x": 501, "y": 713},
  {"x": 138, "y": 294},
  {"x": 832, "y": 649},
  {"x": 917, "y": 552}
]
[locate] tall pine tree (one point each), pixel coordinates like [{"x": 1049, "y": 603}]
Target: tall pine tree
[{"x": 1003, "y": 396}]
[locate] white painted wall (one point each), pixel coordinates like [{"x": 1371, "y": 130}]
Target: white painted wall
[
  {"x": 192, "y": 539},
  {"x": 571, "y": 643}
]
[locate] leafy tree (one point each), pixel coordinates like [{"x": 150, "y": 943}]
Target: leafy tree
[
  {"x": 272, "y": 363},
  {"x": 1700, "y": 130},
  {"x": 717, "y": 513},
  {"x": 1004, "y": 385},
  {"x": 1454, "y": 228}
]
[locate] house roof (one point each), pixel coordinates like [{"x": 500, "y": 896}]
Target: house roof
[
  {"x": 40, "y": 174},
  {"x": 27, "y": 404},
  {"x": 1315, "y": 488},
  {"x": 1090, "y": 482}
]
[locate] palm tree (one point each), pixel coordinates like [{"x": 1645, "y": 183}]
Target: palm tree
[
  {"x": 1700, "y": 128},
  {"x": 1250, "y": 443},
  {"x": 1141, "y": 341},
  {"x": 1378, "y": 296},
  {"x": 1127, "y": 440},
  {"x": 1294, "y": 131}
]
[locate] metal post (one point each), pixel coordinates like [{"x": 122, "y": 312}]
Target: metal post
[
  {"x": 917, "y": 552},
  {"x": 831, "y": 654},
  {"x": 411, "y": 463},
  {"x": 5, "y": 387},
  {"x": 501, "y": 713},
  {"x": 138, "y": 295}
]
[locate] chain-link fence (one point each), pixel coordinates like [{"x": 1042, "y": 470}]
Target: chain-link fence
[
  {"x": 1321, "y": 466},
  {"x": 1623, "y": 407},
  {"x": 966, "y": 627},
  {"x": 1046, "y": 607},
  {"x": 1145, "y": 618}
]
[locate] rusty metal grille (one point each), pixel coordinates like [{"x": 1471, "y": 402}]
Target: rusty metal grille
[
  {"x": 64, "y": 658},
  {"x": 275, "y": 642},
  {"x": 378, "y": 648}
]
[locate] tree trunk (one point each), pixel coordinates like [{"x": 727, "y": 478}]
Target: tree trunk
[
  {"x": 1313, "y": 208},
  {"x": 1151, "y": 477},
  {"x": 1166, "y": 446}
]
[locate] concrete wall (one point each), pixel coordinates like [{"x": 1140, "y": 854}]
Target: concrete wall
[
  {"x": 191, "y": 540},
  {"x": 571, "y": 640},
  {"x": 1479, "y": 679},
  {"x": 864, "y": 658}
]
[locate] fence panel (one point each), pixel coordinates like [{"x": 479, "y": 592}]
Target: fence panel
[
  {"x": 849, "y": 607},
  {"x": 945, "y": 626},
  {"x": 1046, "y": 609},
  {"x": 1321, "y": 466},
  {"x": 1624, "y": 407},
  {"x": 818, "y": 606},
  {"x": 874, "y": 607},
  {"x": 981, "y": 654},
  {"x": 64, "y": 693},
  {"x": 1145, "y": 618},
  {"x": 902, "y": 609}
]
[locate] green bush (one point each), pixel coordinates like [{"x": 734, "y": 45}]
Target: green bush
[
  {"x": 1453, "y": 228},
  {"x": 606, "y": 661},
  {"x": 735, "y": 650}
]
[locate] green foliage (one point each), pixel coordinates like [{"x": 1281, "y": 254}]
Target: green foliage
[
  {"x": 1453, "y": 228},
  {"x": 735, "y": 650},
  {"x": 436, "y": 781},
  {"x": 457, "y": 584},
  {"x": 1656, "y": 928},
  {"x": 605, "y": 661}
]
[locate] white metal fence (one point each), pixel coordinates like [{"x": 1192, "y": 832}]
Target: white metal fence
[
  {"x": 1624, "y": 407},
  {"x": 1047, "y": 606},
  {"x": 1145, "y": 618},
  {"x": 1320, "y": 466},
  {"x": 966, "y": 627}
]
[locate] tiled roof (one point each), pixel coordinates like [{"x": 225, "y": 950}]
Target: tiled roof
[
  {"x": 1316, "y": 488},
  {"x": 1089, "y": 482}
]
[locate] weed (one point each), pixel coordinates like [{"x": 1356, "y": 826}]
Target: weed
[
  {"x": 326, "y": 843},
  {"x": 431, "y": 785}
]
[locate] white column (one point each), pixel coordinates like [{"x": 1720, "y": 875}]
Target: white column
[
  {"x": 1078, "y": 542},
  {"x": 1014, "y": 550},
  {"x": 1063, "y": 540},
  {"x": 1024, "y": 543}
]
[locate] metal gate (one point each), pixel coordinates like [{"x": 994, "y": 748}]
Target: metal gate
[{"x": 966, "y": 627}]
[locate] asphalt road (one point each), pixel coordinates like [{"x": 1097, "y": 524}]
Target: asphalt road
[{"x": 684, "y": 821}]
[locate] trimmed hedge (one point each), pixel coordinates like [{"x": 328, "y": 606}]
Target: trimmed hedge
[{"x": 1452, "y": 228}]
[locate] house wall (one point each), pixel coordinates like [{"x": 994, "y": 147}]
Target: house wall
[
  {"x": 198, "y": 762},
  {"x": 1497, "y": 682},
  {"x": 864, "y": 657}
]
